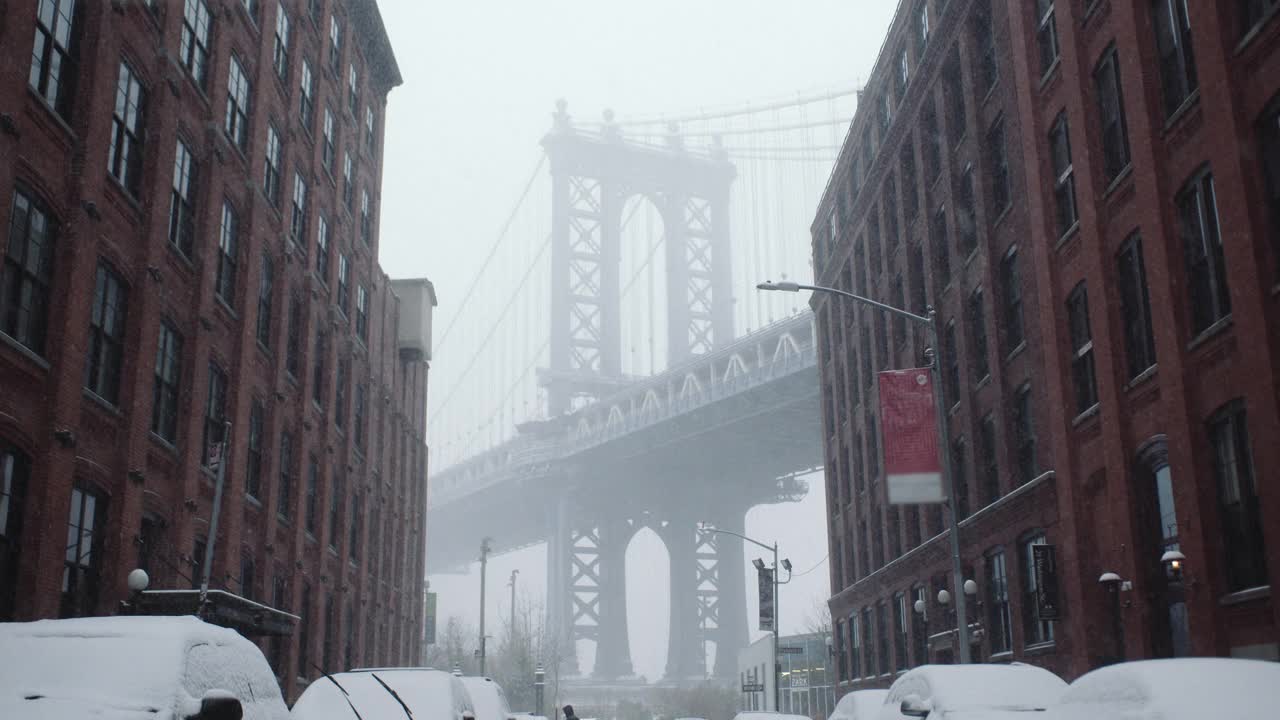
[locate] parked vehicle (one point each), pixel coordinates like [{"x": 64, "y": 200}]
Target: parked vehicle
[
  {"x": 767, "y": 715},
  {"x": 385, "y": 694},
  {"x": 972, "y": 692},
  {"x": 488, "y": 698},
  {"x": 1178, "y": 689},
  {"x": 859, "y": 705},
  {"x": 134, "y": 668}
]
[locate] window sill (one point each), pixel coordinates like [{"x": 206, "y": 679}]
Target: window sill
[
  {"x": 1004, "y": 656},
  {"x": 991, "y": 91},
  {"x": 1256, "y": 30},
  {"x": 253, "y": 501},
  {"x": 1047, "y": 77},
  {"x": 309, "y": 537},
  {"x": 1041, "y": 648},
  {"x": 1141, "y": 378},
  {"x": 187, "y": 262},
  {"x": 1087, "y": 415},
  {"x": 264, "y": 349},
  {"x": 1016, "y": 351},
  {"x": 968, "y": 260},
  {"x": 1176, "y": 117},
  {"x": 985, "y": 381},
  {"x": 1066, "y": 237},
  {"x": 1217, "y": 328},
  {"x": 224, "y": 307},
  {"x": 333, "y": 551},
  {"x": 164, "y": 444},
  {"x": 24, "y": 351},
  {"x": 1125, "y": 173},
  {"x": 1008, "y": 208},
  {"x": 103, "y": 403},
  {"x": 1247, "y": 595},
  {"x": 283, "y": 519}
]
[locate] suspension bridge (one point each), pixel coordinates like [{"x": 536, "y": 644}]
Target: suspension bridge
[{"x": 611, "y": 366}]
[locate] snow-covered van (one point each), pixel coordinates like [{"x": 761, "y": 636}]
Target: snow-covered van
[{"x": 133, "y": 668}]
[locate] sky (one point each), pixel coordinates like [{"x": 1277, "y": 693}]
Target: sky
[{"x": 481, "y": 80}]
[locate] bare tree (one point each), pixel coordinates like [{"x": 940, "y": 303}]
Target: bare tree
[{"x": 818, "y": 618}]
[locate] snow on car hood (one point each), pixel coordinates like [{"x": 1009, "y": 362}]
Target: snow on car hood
[
  {"x": 428, "y": 693},
  {"x": 960, "y": 687},
  {"x": 1177, "y": 689}
]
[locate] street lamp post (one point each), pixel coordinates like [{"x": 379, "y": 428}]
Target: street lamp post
[
  {"x": 931, "y": 322},
  {"x": 485, "y": 549},
  {"x": 777, "y": 617}
]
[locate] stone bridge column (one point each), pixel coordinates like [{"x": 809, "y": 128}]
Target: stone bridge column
[
  {"x": 560, "y": 587},
  {"x": 685, "y": 652},
  {"x": 613, "y": 650},
  {"x": 731, "y": 636}
]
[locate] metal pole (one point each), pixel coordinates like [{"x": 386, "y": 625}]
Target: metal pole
[
  {"x": 777, "y": 626},
  {"x": 484, "y": 562},
  {"x": 223, "y": 454},
  {"x": 513, "y": 604},
  {"x": 944, "y": 446}
]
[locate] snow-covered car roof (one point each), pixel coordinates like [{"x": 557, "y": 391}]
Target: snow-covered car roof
[
  {"x": 430, "y": 695},
  {"x": 487, "y": 697},
  {"x": 767, "y": 715},
  {"x": 128, "y": 667},
  {"x": 859, "y": 705},
  {"x": 1176, "y": 689},
  {"x": 960, "y": 687}
]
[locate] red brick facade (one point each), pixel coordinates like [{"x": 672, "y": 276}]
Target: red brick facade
[
  {"x": 80, "y": 407},
  {"x": 1151, "y": 359}
]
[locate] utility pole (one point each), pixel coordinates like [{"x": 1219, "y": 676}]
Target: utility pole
[
  {"x": 485, "y": 549},
  {"x": 514, "y": 573}
]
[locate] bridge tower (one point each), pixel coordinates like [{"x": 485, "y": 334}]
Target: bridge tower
[{"x": 594, "y": 173}]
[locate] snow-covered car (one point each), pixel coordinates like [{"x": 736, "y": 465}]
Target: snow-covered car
[
  {"x": 859, "y": 705},
  {"x": 972, "y": 692},
  {"x": 133, "y": 668},
  {"x": 385, "y": 694},
  {"x": 1178, "y": 689},
  {"x": 487, "y": 698},
  {"x": 767, "y": 715}
]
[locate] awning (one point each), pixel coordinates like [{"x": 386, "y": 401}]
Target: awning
[{"x": 229, "y": 610}]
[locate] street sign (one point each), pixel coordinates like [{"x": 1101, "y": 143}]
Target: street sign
[
  {"x": 430, "y": 620},
  {"x": 790, "y": 651},
  {"x": 765, "y": 577},
  {"x": 799, "y": 681},
  {"x": 1046, "y": 574},
  {"x": 909, "y": 425},
  {"x": 752, "y": 687}
]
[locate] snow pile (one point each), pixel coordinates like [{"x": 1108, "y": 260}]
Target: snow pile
[
  {"x": 970, "y": 687},
  {"x": 129, "y": 667},
  {"x": 1181, "y": 689},
  {"x": 430, "y": 695},
  {"x": 860, "y": 705},
  {"x": 487, "y": 698}
]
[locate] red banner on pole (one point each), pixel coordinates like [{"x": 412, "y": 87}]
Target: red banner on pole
[{"x": 909, "y": 420}]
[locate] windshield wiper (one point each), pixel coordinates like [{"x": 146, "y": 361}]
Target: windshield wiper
[
  {"x": 346, "y": 695},
  {"x": 394, "y": 694}
]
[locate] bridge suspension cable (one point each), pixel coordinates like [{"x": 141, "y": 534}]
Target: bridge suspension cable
[{"x": 739, "y": 111}]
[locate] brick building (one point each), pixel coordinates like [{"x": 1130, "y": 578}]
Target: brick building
[
  {"x": 1089, "y": 194},
  {"x": 190, "y": 194}
]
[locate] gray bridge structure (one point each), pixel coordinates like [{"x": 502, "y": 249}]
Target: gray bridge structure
[{"x": 730, "y": 424}]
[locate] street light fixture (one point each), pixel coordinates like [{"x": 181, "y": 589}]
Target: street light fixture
[{"x": 930, "y": 320}]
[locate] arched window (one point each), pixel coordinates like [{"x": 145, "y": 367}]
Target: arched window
[
  {"x": 1158, "y": 522},
  {"x": 15, "y": 471}
]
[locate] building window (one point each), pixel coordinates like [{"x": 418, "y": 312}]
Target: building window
[
  {"x": 357, "y": 420},
  {"x": 304, "y": 630},
  {"x": 280, "y": 54},
  {"x": 353, "y": 93},
  {"x": 1115, "y": 132},
  {"x": 941, "y": 249},
  {"x": 293, "y": 339},
  {"x": 340, "y": 393},
  {"x": 327, "y": 150},
  {"x": 953, "y": 97},
  {"x": 348, "y": 181},
  {"x": 855, "y": 640},
  {"x": 15, "y": 473},
  {"x": 1082, "y": 370},
  {"x": 322, "y": 249},
  {"x": 1064, "y": 182},
  {"x": 961, "y": 475},
  {"x": 999, "y": 622},
  {"x": 951, "y": 373},
  {"x": 882, "y": 637},
  {"x": 54, "y": 56},
  {"x": 228, "y": 248},
  {"x": 362, "y": 313},
  {"x": 1135, "y": 305},
  {"x": 1243, "y": 543},
  {"x": 298, "y": 219},
  {"x": 899, "y": 294},
  {"x": 966, "y": 214},
  {"x": 353, "y": 542},
  {"x": 248, "y": 570},
  {"x": 920, "y": 648},
  {"x": 988, "y": 461},
  {"x": 193, "y": 51},
  {"x": 335, "y": 54},
  {"x": 903, "y": 76},
  {"x": 931, "y": 141},
  {"x": 999, "y": 164},
  {"x": 873, "y": 449},
  {"x": 1207, "y": 289},
  {"x": 124, "y": 159},
  {"x": 842, "y": 658},
  {"x": 922, "y": 27},
  {"x": 1046, "y": 35},
  {"x": 335, "y": 513},
  {"x": 280, "y": 601},
  {"x": 199, "y": 548},
  {"x": 80, "y": 573},
  {"x": 1177, "y": 58},
  {"x": 370, "y": 137},
  {"x": 284, "y": 506},
  {"x": 253, "y": 472},
  {"x": 272, "y": 168},
  {"x": 900, "y": 631},
  {"x": 910, "y": 196},
  {"x": 266, "y": 289},
  {"x": 915, "y": 265},
  {"x": 886, "y": 114},
  {"x": 313, "y": 496},
  {"x": 348, "y": 646},
  {"x": 976, "y": 319},
  {"x": 106, "y": 334},
  {"x": 164, "y": 400},
  {"x": 1024, "y": 435},
  {"x": 251, "y": 7},
  {"x": 238, "y": 106},
  {"x": 366, "y": 224},
  {"x": 1269, "y": 140},
  {"x": 182, "y": 228},
  {"x": 330, "y": 632},
  {"x": 318, "y": 368},
  {"x": 344, "y": 275},
  {"x": 1011, "y": 289},
  {"x": 215, "y": 413},
  {"x": 1034, "y": 630},
  {"x": 306, "y": 98},
  {"x": 985, "y": 41}
]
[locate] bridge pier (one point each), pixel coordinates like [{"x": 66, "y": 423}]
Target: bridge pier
[
  {"x": 685, "y": 653},
  {"x": 560, "y": 620},
  {"x": 731, "y": 632},
  {"x": 613, "y": 649}
]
